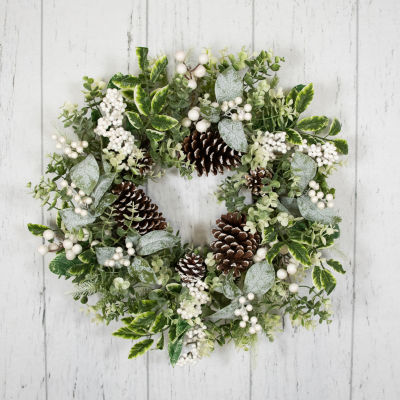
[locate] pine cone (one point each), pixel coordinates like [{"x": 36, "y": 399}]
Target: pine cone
[
  {"x": 191, "y": 267},
  {"x": 145, "y": 164},
  {"x": 128, "y": 197},
  {"x": 209, "y": 153},
  {"x": 254, "y": 180},
  {"x": 234, "y": 248}
]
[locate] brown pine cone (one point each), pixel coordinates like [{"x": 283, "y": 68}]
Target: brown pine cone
[
  {"x": 191, "y": 267},
  {"x": 209, "y": 153},
  {"x": 254, "y": 179},
  {"x": 145, "y": 164},
  {"x": 234, "y": 248},
  {"x": 130, "y": 197}
]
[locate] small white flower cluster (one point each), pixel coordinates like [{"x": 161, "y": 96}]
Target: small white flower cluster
[
  {"x": 243, "y": 312},
  {"x": 79, "y": 196},
  {"x": 267, "y": 144},
  {"x": 318, "y": 197},
  {"x": 110, "y": 125},
  {"x": 191, "y": 308},
  {"x": 231, "y": 109},
  {"x": 118, "y": 258},
  {"x": 193, "y": 341},
  {"x": 324, "y": 154},
  {"x": 194, "y": 117},
  {"x": 191, "y": 73},
  {"x": 121, "y": 284},
  {"x": 71, "y": 149}
]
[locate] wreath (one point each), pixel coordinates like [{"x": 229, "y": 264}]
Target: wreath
[{"x": 125, "y": 262}]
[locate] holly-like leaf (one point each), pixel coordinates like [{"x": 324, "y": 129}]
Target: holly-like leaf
[
  {"x": 159, "y": 99},
  {"x": 140, "y": 348},
  {"x": 37, "y": 229},
  {"x": 228, "y": 85},
  {"x": 159, "y": 323},
  {"x": 337, "y": 266},
  {"x": 155, "y": 241},
  {"x": 72, "y": 220},
  {"x": 311, "y": 212},
  {"x": 160, "y": 342},
  {"x": 260, "y": 277},
  {"x": 175, "y": 350},
  {"x": 328, "y": 280},
  {"x": 316, "y": 277},
  {"x": 341, "y": 146},
  {"x": 274, "y": 251},
  {"x": 304, "y": 167},
  {"x": 335, "y": 127},
  {"x": 163, "y": 122},
  {"x": 304, "y": 98},
  {"x": 299, "y": 252},
  {"x": 313, "y": 124},
  {"x": 127, "y": 333},
  {"x": 154, "y": 135},
  {"x": 142, "y": 100},
  {"x": 59, "y": 265},
  {"x": 86, "y": 174},
  {"x": 233, "y": 134},
  {"x": 181, "y": 328},
  {"x": 158, "y": 68},
  {"x": 225, "y": 313},
  {"x": 134, "y": 119},
  {"x": 143, "y": 320},
  {"x": 141, "y": 269},
  {"x": 103, "y": 184},
  {"x": 141, "y": 54},
  {"x": 124, "y": 81},
  {"x": 293, "y": 136}
]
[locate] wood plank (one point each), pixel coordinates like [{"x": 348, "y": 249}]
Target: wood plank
[
  {"x": 94, "y": 38},
  {"x": 377, "y": 315},
  {"x": 22, "y": 366},
  {"x": 190, "y": 205},
  {"x": 318, "y": 40}
]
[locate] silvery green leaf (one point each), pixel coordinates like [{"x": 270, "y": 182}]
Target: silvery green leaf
[
  {"x": 155, "y": 241},
  {"x": 105, "y": 202},
  {"x": 260, "y": 277},
  {"x": 133, "y": 237},
  {"x": 212, "y": 114},
  {"x": 101, "y": 188},
  {"x": 312, "y": 213},
  {"x": 86, "y": 174},
  {"x": 228, "y": 288},
  {"x": 74, "y": 221},
  {"x": 304, "y": 167},
  {"x": 229, "y": 85},
  {"x": 225, "y": 313},
  {"x": 233, "y": 134},
  {"x": 141, "y": 269},
  {"x": 104, "y": 253},
  {"x": 106, "y": 165},
  {"x": 289, "y": 205}
]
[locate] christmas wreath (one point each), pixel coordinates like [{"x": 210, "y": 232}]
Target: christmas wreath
[{"x": 125, "y": 262}]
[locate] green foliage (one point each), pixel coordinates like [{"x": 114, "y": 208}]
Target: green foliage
[
  {"x": 259, "y": 278},
  {"x": 140, "y": 348},
  {"x": 304, "y": 98},
  {"x": 37, "y": 229},
  {"x": 233, "y": 134},
  {"x": 313, "y": 124}
]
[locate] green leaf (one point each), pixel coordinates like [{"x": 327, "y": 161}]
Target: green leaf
[
  {"x": 140, "y": 348},
  {"x": 274, "y": 251},
  {"x": 105, "y": 202},
  {"x": 174, "y": 288},
  {"x": 159, "y": 323},
  {"x": 141, "y": 269},
  {"x": 181, "y": 328},
  {"x": 158, "y": 68},
  {"x": 260, "y": 277},
  {"x": 229, "y": 289},
  {"x": 328, "y": 281},
  {"x": 228, "y": 85},
  {"x": 86, "y": 174},
  {"x": 59, "y": 265},
  {"x": 175, "y": 350},
  {"x": 311, "y": 212},
  {"x": 303, "y": 167},
  {"x": 304, "y": 98},
  {"x": 210, "y": 113},
  {"x": 159, "y": 99},
  {"x": 101, "y": 188},
  {"x": 290, "y": 204},
  {"x": 127, "y": 333},
  {"x": 134, "y": 119},
  {"x": 337, "y": 266},
  {"x": 74, "y": 221},
  {"x": 133, "y": 237},
  {"x": 293, "y": 136},
  {"x": 37, "y": 229},
  {"x": 163, "y": 122},
  {"x": 335, "y": 127},
  {"x": 124, "y": 81},
  {"x": 316, "y": 277},
  {"x": 141, "y": 54},
  {"x": 224, "y": 313},
  {"x": 88, "y": 256},
  {"x": 155, "y": 241},
  {"x": 313, "y": 124},
  {"x": 143, "y": 320},
  {"x": 154, "y": 135},
  {"x": 233, "y": 134},
  {"x": 142, "y": 100},
  {"x": 341, "y": 146},
  {"x": 104, "y": 253},
  {"x": 299, "y": 252},
  {"x": 160, "y": 342}
]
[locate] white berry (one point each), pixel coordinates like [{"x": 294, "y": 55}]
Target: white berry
[
  {"x": 193, "y": 114},
  {"x": 77, "y": 249},
  {"x": 281, "y": 273},
  {"x": 311, "y": 193},
  {"x": 242, "y": 299},
  {"x": 247, "y": 108},
  {"x": 293, "y": 288},
  {"x": 242, "y": 324},
  {"x": 202, "y": 126},
  {"x": 203, "y": 58},
  {"x": 192, "y": 84},
  {"x": 48, "y": 234},
  {"x": 330, "y": 204},
  {"x": 238, "y": 100},
  {"x": 329, "y": 197},
  {"x": 199, "y": 72},
  {"x": 312, "y": 184},
  {"x": 257, "y": 328},
  {"x": 247, "y": 116},
  {"x": 67, "y": 244},
  {"x": 261, "y": 252},
  {"x": 314, "y": 199},
  {"x": 320, "y": 195},
  {"x": 321, "y": 205},
  {"x": 180, "y": 56},
  {"x": 237, "y": 312},
  {"x": 88, "y": 200},
  {"x": 252, "y": 330},
  {"x": 249, "y": 307},
  {"x": 43, "y": 249},
  {"x": 253, "y": 320},
  {"x": 70, "y": 255},
  {"x": 186, "y": 122},
  {"x": 250, "y": 296},
  {"x": 291, "y": 269},
  {"x": 131, "y": 251},
  {"x": 181, "y": 69}
]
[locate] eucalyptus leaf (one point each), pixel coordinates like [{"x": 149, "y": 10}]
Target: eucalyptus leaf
[
  {"x": 73, "y": 221},
  {"x": 312, "y": 213},
  {"x": 229, "y": 85},
  {"x": 133, "y": 237},
  {"x": 141, "y": 269},
  {"x": 86, "y": 174},
  {"x": 225, "y": 313},
  {"x": 105, "y": 202},
  {"x": 304, "y": 167},
  {"x": 290, "y": 204},
  {"x": 228, "y": 288},
  {"x": 233, "y": 134},
  {"x": 101, "y": 188},
  {"x": 104, "y": 253},
  {"x": 155, "y": 241},
  {"x": 260, "y": 277}
]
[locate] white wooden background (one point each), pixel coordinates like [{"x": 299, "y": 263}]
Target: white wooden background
[{"x": 49, "y": 349}]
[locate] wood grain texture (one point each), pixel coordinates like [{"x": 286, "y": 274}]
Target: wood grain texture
[{"x": 349, "y": 50}]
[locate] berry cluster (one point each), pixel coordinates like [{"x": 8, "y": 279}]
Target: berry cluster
[
  {"x": 194, "y": 117},
  {"x": 191, "y": 307},
  {"x": 119, "y": 258},
  {"x": 260, "y": 254},
  {"x": 82, "y": 201},
  {"x": 318, "y": 197},
  {"x": 324, "y": 154},
  {"x": 191, "y": 73},
  {"x": 291, "y": 269},
  {"x": 243, "y": 312},
  {"x": 193, "y": 341},
  {"x": 231, "y": 109},
  {"x": 72, "y": 149}
]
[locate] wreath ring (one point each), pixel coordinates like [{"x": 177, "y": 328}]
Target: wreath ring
[{"x": 110, "y": 239}]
